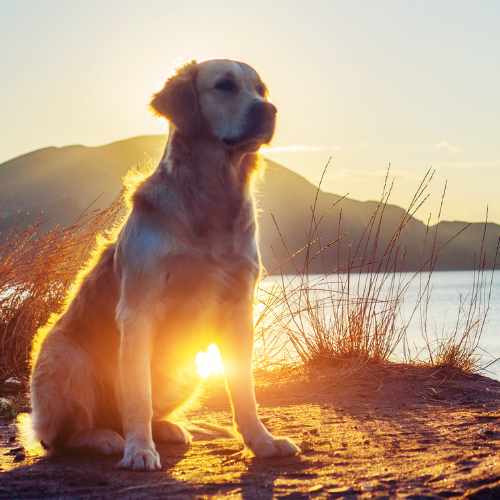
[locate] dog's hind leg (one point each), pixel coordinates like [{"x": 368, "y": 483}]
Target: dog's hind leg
[
  {"x": 62, "y": 391},
  {"x": 103, "y": 441},
  {"x": 165, "y": 431}
]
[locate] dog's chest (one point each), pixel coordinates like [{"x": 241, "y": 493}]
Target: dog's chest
[
  {"x": 224, "y": 248},
  {"x": 209, "y": 278}
]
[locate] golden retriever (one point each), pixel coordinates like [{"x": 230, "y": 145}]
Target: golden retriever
[{"x": 181, "y": 274}]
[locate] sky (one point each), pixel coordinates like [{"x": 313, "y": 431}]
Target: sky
[{"x": 412, "y": 84}]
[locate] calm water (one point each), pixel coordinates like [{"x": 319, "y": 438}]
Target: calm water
[{"x": 448, "y": 288}]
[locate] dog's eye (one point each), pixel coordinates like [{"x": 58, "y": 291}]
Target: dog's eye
[{"x": 226, "y": 86}]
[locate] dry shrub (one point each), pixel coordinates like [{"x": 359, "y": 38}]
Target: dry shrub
[
  {"x": 353, "y": 312},
  {"x": 36, "y": 270},
  {"x": 458, "y": 347},
  {"x": 348, "y": 315}
]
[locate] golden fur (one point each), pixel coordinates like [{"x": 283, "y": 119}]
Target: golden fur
[{"x": 181, "y": 273}]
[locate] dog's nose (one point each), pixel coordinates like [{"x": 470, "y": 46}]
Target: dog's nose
[
  {"x": 271, "y": 108},
  {"x": 264, "y": 110},
  {"x": 268, "y": 108}
]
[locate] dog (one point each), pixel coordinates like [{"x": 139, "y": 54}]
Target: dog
[{"x": 181, "y": 273}]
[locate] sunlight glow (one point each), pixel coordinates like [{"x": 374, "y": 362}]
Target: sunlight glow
[
  {"x": 259, "y": 308},
  {"x": 209, "y": 362}
]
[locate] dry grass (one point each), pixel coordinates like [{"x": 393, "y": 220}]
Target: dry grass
[
  {"x": 36, "y": 270},
  {"x": 354, "y": 312},
  {"x": 459, "y": 346}
]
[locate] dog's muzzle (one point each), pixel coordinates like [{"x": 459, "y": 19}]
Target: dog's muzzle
[{"x": 259, "y": 125}]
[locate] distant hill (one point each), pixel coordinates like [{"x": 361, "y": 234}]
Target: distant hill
[{"x": 57, "y": 184}]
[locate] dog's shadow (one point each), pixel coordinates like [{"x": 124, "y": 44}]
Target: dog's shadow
[
  {"x": 259, "y": 480},
  {"x": 88, "y": 476},
  {"x": 26, "y": 472},
  {"x": 82, "y": 475}
]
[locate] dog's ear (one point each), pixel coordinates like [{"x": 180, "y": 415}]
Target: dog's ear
[{"x": 178, "y": 100}]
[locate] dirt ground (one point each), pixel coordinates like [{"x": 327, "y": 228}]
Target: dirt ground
[{"x": 365, "y": 432}]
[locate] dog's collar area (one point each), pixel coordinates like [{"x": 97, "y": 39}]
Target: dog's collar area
[
  {"x": 247, "y": 144},
  {"x": 230, "y": 142}
]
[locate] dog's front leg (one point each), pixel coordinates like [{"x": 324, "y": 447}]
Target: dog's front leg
[
  {"x": 135, "y": 385},
  {"x": 237, "y": 347}
]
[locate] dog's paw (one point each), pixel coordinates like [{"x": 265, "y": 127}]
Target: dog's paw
[
  {"x": 271, "y": 446},
  {"x": 167, "y": 432},
  {"x": 140, "y": 458}
]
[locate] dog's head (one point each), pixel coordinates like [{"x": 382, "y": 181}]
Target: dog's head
[{"x": 222, "y": 99}]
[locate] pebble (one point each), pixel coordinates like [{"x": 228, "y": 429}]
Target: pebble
[
  {"x": 15, "y": 451},
  {"x": 486, "y": 432},
  {"x": 6, "y": 408},
  {"x": 11, "y": 386},
  {"x": 13, "y": 381}
]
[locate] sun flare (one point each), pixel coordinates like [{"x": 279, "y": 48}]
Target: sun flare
[{"x": 209, "y": 362}]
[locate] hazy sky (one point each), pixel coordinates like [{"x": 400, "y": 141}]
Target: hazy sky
[{"x": 413, "y": 83}]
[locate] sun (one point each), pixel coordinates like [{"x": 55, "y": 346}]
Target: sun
[{"x": 209, "y": 362}]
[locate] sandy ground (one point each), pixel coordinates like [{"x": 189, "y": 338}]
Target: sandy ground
[{"x": 372, "y": 431}]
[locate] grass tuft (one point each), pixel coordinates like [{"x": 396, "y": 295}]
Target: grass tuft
[
  {"x": 354, "y": 312},
  {"x": 37, "y": 269}
]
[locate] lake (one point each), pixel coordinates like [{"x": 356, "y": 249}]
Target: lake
[{"x": 447, "y": 290}]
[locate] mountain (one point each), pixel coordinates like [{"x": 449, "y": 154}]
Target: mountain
[{"x": 58, "y": 184}]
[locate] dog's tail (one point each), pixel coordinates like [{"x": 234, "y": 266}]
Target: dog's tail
[{"x": 204, "y": 431}]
